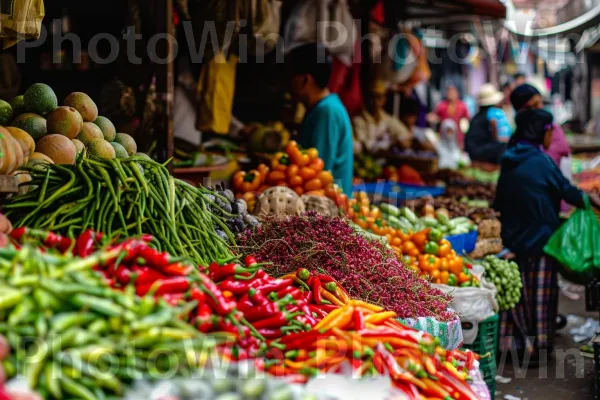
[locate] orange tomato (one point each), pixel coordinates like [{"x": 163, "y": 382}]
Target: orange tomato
[
  {"x": 312, "y": 153},
  {"x": 295, "y": 180},
  {"x": 326, "y": 177},
  {"x": 329, "y": 189},
  {"x": 299, "y": 190},
  {"x": 263, "y": 188},
  {"x": 397, "y": 241},
  {"x": 408, "y": 247},
  {"x": 320, "y": 192},
  {"x": 280, "y": 162},
  {"x": 313, "y": 184},
  {"x": 317, "y": 164},
  {"x": 390, "y": 240},
  {"x": 276, "y": 177},
  {"x": 435, "y": 273},
  {"x": 308, "y": 173}
]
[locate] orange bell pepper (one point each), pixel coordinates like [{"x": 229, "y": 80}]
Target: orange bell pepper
[
  {"x": 429, "y": 262},
  {"x": 247, "y": 182},
  {"x": 297, "y": 156},
  {"x": 445, "y": 248},
  {"x": 420, "y": 238},
  {"x": 280, "y": 162},
  {"x": 455, "y": 265}
]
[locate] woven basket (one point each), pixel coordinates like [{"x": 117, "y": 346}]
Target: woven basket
[{"x": 279, "y": 200}]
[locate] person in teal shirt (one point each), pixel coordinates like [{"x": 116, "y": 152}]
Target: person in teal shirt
[{"x": 327, "y": 125}]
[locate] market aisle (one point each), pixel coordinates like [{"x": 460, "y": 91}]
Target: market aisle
[{"x": 576, "y": 382}]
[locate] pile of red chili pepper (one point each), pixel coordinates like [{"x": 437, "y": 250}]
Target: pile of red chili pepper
[
  {"x": 229, "y": 297},
  {"x": 367, "y": 339}
]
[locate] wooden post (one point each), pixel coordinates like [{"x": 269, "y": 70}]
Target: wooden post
[{"x": 164, "y": 133}]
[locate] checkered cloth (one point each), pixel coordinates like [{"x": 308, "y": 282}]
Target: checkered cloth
[{"x": 531, "y": 324}]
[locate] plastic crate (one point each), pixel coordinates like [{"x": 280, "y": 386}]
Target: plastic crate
[
  {"x": 396, "y": 193},
  {"x": 486, "y": 343},
  {"x": 463, "y": 243}
]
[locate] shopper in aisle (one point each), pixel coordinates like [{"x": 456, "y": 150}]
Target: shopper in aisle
[
  {"x": 424, "y": 138},
  {"x": 452, "y": 107},
  {"x": 528, "y": 197},
  {"x": 482, "y": 140},
  {"x": 374, "y": 129},
  {"x": 326, "y": 125},
  {"x": 528, "y": 97}
]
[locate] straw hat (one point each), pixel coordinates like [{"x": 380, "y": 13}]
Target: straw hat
[{"x": 489, "y": 95}]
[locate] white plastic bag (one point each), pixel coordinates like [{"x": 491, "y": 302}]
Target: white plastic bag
[
  {"x": 473, "y": 305},
  {"x": 322, "y": 21}
]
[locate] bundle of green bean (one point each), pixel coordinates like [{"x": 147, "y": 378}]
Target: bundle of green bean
[
  {"x": 72, "y": 336},
  {"x": 124, "y": 196}
]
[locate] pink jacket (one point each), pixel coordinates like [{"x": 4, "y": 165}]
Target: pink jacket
[{"x": 559, "y": 147}]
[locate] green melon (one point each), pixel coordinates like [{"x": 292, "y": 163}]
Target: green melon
[
  {"x": 65, "y": 121},
  {"x": 89, "y": 132},
  {"x": 106, "y": 126},
  {"x": 126, "y": 141},
  {"x": 6, "y": 113},
  {"x": 100, "y": 148},
  {"x": 33, "y": 124},
  {"x": 18, "y": 105},
  {"x": 40, "y": 99},
  {"x": 120, "y": 151},
  {"x": 84, "y": 104}
]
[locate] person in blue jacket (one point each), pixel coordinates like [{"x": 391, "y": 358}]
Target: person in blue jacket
[
  {"x": 528, "y": 196},
  {"x": 326, "y": 125}
]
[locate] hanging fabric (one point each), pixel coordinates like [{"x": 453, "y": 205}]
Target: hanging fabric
[
  {"x": 216, "y": 88},
  {"x": 19, "y": 20},
  {"x": 308, "y": 24}
]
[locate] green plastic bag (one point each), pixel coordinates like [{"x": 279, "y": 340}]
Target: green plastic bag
[{"x": 576, "y": 246}]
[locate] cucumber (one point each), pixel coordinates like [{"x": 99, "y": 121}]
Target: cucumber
[
  {"x": 389, "y": 209},
  {"x": 442, "y": 218},
  {"x": 430, "y": 222},
  {"x": 407, "y": 212},
  {"x": 394, "y": 222}
]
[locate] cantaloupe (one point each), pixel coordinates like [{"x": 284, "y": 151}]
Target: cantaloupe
[
  {"x": 65, "y": 121},
  {"x": 84, "y": 104},
  {"x": 78, "y": 145},
  {"x": 11, "y": 157},
  {"x": 88, "y": 133},
  {"x": 25, "y": 140},
  {"x": 128, "y": 142},
  {"x": 59, "y": 148},
  {"x": 100, "y": 148},
  {"x": 38, "y": 159}
]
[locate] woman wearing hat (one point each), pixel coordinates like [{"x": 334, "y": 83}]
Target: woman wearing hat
[
  {"x": 528, "y": 198},
  {"x": 489, "y": 128},
  {"x": 374, "y": 129}
]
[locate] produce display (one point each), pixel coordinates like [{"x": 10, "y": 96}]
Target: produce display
[
  {"x": 368, "y": 270},
  {"x": 127, "y": 196},
  {"x": 505, "y": 275},
  {"x": 424, "y": 250},
  {"x": 476, "y": 210},
  {"x": 404, "y": 174},
  {"x": 85, "y": 326},
  {"x": 301, "y": 170},
  {"x": 404, "y": 218},
  {"x": 472, "y": 192},
  {"x": 411, "y": 358},
  {"x": 60, "y": 132},
  {"x": 366, "y": 167}
]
